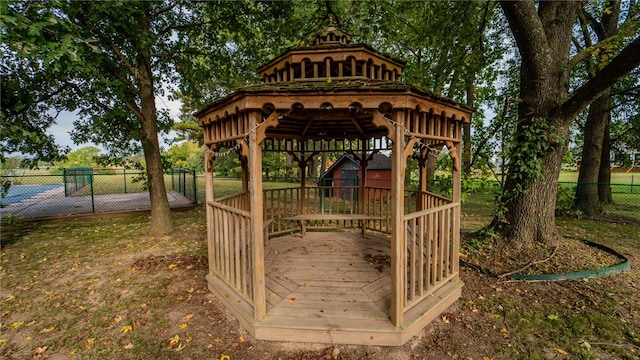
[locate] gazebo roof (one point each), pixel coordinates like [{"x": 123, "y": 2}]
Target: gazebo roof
[
  {"x": 361, "y": 86},
  {"x": 332, "y": 90},
  {"x": 337, "y": 101}
]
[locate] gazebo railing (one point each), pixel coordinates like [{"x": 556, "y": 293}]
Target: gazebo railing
[
  {"x": 431, "y": 241},
  {"x": 431, "y": 251},
  {"x": 237, "y": 201},
  {"x": 230, "y": 252},
  {"x": 280, "y": 203}
]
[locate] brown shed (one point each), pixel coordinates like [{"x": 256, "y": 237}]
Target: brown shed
[{"x": 346, "y": 172}]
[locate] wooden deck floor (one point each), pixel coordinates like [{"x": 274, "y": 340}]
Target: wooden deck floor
[
  {"x": 328, "y": 275},
  {"x": 333, "y": 287}
]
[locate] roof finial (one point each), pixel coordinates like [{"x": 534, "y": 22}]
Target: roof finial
[
  {"x": 331, "y": 35},
  {"x": 332, "y": 20}
]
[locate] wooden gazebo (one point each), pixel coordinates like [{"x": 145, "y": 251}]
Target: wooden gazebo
[{"x": 281, "y": 279}]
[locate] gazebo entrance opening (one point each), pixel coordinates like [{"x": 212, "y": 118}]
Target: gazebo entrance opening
[{"x": 268, "y": 263}]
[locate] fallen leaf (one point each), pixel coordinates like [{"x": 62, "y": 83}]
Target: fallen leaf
[
  {"x": 292, "y": 299},
  {"x": 172, "y": 266},
  {"x": 217, "y": 340},
  {"x": 225, "y": 357},
  {"x": 174, "y": 340},
  {"x": 181, "y": 346},
  {"x": 129, "y": 346},
  {"x": 17, "y": 324},
  {"x": 241, "y": 338},
  {"x": 183, "y": 325},
  {"x": 47, "y": 330},
  {"x": 126, "y": 329},
  {"x": 89, "y": 342},
  {"x": 445, "y": 319},
  {"x": 561, "y": 352}
]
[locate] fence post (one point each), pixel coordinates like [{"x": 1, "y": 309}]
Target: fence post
[
  {"x": 173, "y": 171},
  {"x": 93, "y": 204},
  {"x": 632, "y": 183},
  {"x": 124, "y": 175},
  {"x": 64, "y": 181},
  {"x": 195, "y": 196},
  {"x": 183, "y": 187}
]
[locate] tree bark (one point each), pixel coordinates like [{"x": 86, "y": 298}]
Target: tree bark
[
  {"x": 586, "y": 199},
  {"x": 466, "y": 133},
  {"x": 604, "y": 176}
]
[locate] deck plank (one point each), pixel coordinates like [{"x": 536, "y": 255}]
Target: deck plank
[{"x": 326, "y": 280}]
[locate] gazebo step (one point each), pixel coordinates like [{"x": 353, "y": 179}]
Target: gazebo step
[{"x": 366, "y": 330}]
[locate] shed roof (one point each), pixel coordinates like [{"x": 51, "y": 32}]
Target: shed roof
[{"x": 378, "y": 162}]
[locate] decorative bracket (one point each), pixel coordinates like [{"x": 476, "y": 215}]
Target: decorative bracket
[
  {"x": 270, "y": 121},
  {"x": 209, "y": 156},
  {"x": 453, "y": 152},
  {"x": 380, "y": 121},
  {"x": 243, "y": 148}
]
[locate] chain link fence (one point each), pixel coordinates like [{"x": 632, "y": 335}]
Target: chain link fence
[
  {"x": 32, "y": 194},
  {"x": 43, "y": 193}
]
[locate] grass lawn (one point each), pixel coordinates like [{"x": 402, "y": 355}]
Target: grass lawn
[
  {"x": 616, "y": 177},
  {"x": 104, "y": 289}
]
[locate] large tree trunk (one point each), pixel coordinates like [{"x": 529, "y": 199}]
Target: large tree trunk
[
  {"x": 586, "y": 199},
  {"x": 466, "y": 133},
  {"x": 542, "y": 31},
  {"x": 530, "y": 205},
  {"x": 587, "y": 192},
  {"x": 535, "y": 158},
  {"x": 161, "y": 222},
  {"x": 604, "y": 176}
]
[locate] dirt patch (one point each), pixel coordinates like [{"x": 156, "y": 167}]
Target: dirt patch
[
  {"x": 569, "y": 255},
  {"x": 157, "y": 262}
]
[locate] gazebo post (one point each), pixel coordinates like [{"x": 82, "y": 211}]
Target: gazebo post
[
  {"x": 398, "y": 263},
  {"x": 209, "y": 196},
  {"x": 456, "y": 197},
  {"x": 422, "y": 185},
  {"x": 362, "y": 196},
  {"x": 245, "y": 180},
  {"x": 255, "y": 207}
]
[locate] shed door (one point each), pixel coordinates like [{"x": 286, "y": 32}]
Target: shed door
[{"x": 350, "y": 178}]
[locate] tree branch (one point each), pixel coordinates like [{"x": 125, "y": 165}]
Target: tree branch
[
  {"x": 101, "y": 105},
  {"x": 627, "y": 60},
  {"x": 529, "y": 33},
  {"x": 112, "y": 45}
]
